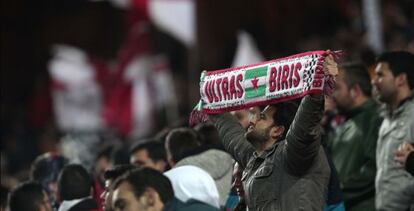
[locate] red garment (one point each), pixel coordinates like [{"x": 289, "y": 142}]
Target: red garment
[{"x": 97, "y": 192}]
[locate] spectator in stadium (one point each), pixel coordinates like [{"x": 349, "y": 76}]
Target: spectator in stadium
[
  {"x": 75, "y": 189},
  {"x": 29, "y": 196},
  {"x": 393, "y": 84},
  {"x": 353, "y": 143},
  {"x": 149, "y": 153},
  {"x": 45, "y": 170},
  {"x": 184, "y": 148},
  {"x": 110, "y": 176},
  {"x": 146, "y": 189}
]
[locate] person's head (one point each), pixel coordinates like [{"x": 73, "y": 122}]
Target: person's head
[
  {"x": 271, "y": 125},
  {"x": 110, "y": 176},
  {"x": 394, "y": 76},
  {"x": 353, "y": 87},
  {"x": 74, "y": 182},
  {"x": 150, "y": 153},
  {"x": 208, "y": 134},
  {"x": 45, "y": 170},
  {"x": 179, "y": 143},
  {"x": 29, "y": 196},
  {"x": 141, "y": 190},
  {"x": 103, "y": 162}
]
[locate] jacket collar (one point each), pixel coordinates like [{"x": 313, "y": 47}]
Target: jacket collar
[
  {"x": 267, "y": 152},
  {"x": 385, "y": 111},
  {"x": 355, "y": 111}
]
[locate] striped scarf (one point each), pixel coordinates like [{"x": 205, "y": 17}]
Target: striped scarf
[{"x": 270, "y": 82}]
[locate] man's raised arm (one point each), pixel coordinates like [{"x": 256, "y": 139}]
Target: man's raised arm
[{"x": 232, "y": 136}]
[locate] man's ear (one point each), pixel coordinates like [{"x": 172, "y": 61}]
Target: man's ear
[
  {"x": 170, "y": 160},
  {"x": 160, "y": 165},
  {"x": 276, "y": 132},
  {"x": 150, "y": 197},
  {"x": 401, "y": 79}
]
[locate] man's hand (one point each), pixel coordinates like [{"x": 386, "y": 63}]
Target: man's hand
[
  {"x": 402, "y": 153},
  {"x": 330, "y": 66}
]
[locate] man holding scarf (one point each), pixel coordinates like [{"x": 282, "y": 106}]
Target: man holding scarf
[{"x": 285, "y": 165}]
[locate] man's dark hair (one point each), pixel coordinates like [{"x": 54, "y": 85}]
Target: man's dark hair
[
  {"x": 144, "y": 177},
  {"x": 74, "y": 182},
  {"x": 117, "y": 171},
  {"x": 26, "y": 196},
  {"x": 400, "y": 62},
  {"x": 155, "y": 149},
  {"x": 357, "y": 74},
  {"x": 120, "y": 154},
  {"x": 105, "y": 152},
  {"x": 180, "y": 142},
  {"x": 284, "y": 115},
  {"x": 208, "y": 134}
]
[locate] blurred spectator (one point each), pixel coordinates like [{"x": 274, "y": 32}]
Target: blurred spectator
[
  {"x": 78, "y": 71},
  {"x": 208, "y": 134},
  {"x": 29, "y": 196},
  {"x": 405, "y": 156},
  {"x": 147, "y": 189},
  {"x": 353, "y": 143},
  {"x": 330, "y": 121},
  {"x": 75, "y": 189},
  {"x": 110, "y": 176},
  {"x": 179, "y": 143},
  {"x": 143, "y": 95},
  {"x": 191, "y": 182},
  {"x": 183, "y": 148},
  {"x": 45, "y": 170},
  {"x": 393, "y": 83},
  {"x": 150, "y": 153},
  {"x": 102, "y": 163}
]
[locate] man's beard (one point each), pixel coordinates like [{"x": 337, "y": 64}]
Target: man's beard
[{"x": 258, "y": 137}]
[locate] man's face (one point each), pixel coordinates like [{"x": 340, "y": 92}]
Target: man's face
[
  {"x": 259, "y": 129},
  {"x": 101, "y": 165},
  {"x": 341, "y": 94},
  {"x": 106, "y": 196},
  {"x": 385, "y": 88},
  {"x": 141, "y": 158},
  {"x": 123, "y": 199}
]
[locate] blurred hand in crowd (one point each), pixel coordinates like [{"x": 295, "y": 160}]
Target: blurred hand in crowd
[{"x": 402, "y": 153}]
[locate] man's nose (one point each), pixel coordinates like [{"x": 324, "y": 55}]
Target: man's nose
[{"x": 253, "y": 119}]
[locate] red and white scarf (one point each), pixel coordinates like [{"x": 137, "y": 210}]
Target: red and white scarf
[{"x": 265, "y": 83}]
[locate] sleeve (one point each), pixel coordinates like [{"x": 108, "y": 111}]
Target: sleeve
[
  {"x": 232, "y": 136},
  {"x": 304, "y": 135}
]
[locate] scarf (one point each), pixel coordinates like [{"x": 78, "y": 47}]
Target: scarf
[{"x": 269, "y": 82}]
